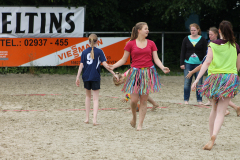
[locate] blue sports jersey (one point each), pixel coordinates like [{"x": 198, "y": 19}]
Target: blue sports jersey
[{"x": 91, "y": 67}]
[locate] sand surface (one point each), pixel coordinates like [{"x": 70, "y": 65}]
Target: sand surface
[{"x": 41, "y": 117}]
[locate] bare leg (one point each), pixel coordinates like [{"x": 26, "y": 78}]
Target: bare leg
[
  {"x": 237, "y": 108},
  {"x": 142, "y": 111},
  {"x": 87, "y": 105},
  {"x": 155, "y": 105},
  {"x": 221, "y": 109},
  {"x": 212, "y": 117},
  {"x": 95, "y": 106},
  {"x": 134, "y": 100}
]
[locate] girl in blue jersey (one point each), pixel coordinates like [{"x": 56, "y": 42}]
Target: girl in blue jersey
[{"x": 91, "y": 59}]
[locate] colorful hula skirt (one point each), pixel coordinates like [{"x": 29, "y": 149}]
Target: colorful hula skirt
[
  {"x": 142, "y": 81},
  {"x": 217, "y": 86}
]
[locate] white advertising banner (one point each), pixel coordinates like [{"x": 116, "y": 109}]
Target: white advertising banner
[{"x": 42, "y": 22}]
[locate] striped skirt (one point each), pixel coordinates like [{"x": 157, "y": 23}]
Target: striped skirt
[
  {"x": 217, "y": 86},
  {"x": 142, "y": 81}
]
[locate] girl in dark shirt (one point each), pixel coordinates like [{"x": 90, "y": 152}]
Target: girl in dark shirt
[{"x": 193, "y": 51}]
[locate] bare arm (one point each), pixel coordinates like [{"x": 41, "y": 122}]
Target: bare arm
[
  {"x": 238, "y": 62},
  {"x": 78, "y": 74},
  {"x": 204, "y": 67},
  {"x": 107, "y": 67},
  {"x": 183, "y": 52},
  {"x": 197, "y": 68},
  {"x": 190, "y": 73},
  {"x": 111, "y": 71},
  {"x": 158, "y": 62},
  {"x": 121, "y": 61}
]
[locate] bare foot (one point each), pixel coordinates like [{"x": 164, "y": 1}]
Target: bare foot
[
  {"x": 208, "y": 103},
  {"x": 96, "y": 124},
  {"x": 139, "y": 128},
  {"x": 186, "y": 102},
  {"x": 227, "y": 112},
  {"x": 238, "y": 111},
  {"x": 133, "y": 123},
  {"x": 210, "y": 144},
  {"x": 154, "y": 107},
  {"x": 86, "y": 122},
  {"x": 200, "y": 103}
]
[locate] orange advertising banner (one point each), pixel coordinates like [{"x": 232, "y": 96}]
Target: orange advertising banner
[{"x": 17, "y": 52}]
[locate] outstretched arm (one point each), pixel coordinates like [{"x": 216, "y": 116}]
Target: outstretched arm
[
  {"x": 190, "y": 73},
  {"x": 159, "y": 63},
  {"x": 111, "y": 71},
  {"x": 204, "y": 67},
  {"x": 107, "y": 67},
  {"x": 78, "y": 74},
  {"x": 121, "y": 61}
]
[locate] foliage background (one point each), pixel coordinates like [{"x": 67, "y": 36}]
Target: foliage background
[{"x": 122, "y": 15}]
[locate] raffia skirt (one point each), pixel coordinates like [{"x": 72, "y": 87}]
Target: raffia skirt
[
  {"x": 217, "y": 86},
  {"x": 142, "y": 81}
]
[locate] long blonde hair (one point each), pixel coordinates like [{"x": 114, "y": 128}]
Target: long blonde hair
[
  {"x": 135, "y": 29},
  {"x": 92, "y": 40}
]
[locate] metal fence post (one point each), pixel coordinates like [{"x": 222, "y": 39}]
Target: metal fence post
[
  {"x": 163, "y": 48},
  {"x": 86, "y": 33}
]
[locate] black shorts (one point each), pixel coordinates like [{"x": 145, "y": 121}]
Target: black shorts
[{"x": 92, "y": 85}]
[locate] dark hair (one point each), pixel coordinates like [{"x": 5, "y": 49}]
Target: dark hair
[
  {"x": 227, "y": 31},
  {"x": 135, "y": 29},
  {"x": 196, "y": 26},
  {"x": 92, "y": 39}
]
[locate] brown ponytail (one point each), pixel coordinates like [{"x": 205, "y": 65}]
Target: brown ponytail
[
  {"x": 135, "y": 29},
  {"x": 227, "y": 32},
  {"x": 92, "y": 40}
]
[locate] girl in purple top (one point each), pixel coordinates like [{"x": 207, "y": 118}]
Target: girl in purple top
[
  {"x": 213, "y": 36},
  {"x": 223, "y": 64}
]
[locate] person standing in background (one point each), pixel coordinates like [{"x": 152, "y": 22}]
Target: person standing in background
[{"x": 193, "y": 50}]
